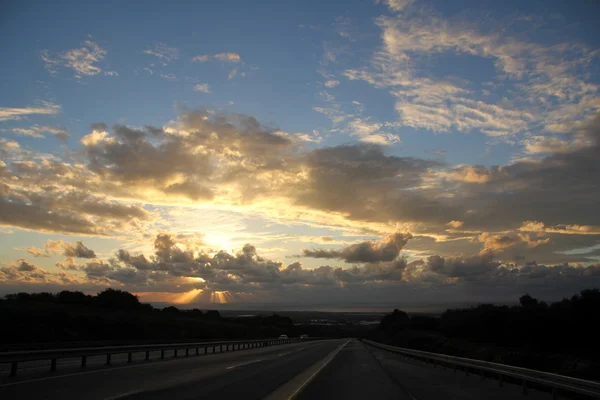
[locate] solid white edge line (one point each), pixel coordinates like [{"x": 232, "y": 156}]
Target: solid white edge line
[
  {"x": 120, "y": 396},
  {"x": 329, "y": 359},
  {"x": 242, "y": 364}
]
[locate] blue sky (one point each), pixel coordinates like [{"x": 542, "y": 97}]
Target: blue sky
[{"x": 445, "y": 121}]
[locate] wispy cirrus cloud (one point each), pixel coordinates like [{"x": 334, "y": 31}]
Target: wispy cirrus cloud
[
  {"x": 37, "y": 131},
  {"x": 543, "y": 81},
  {"x": 223, "y": 57},
  {"x": 396, "y": 5},
  {"x": 83, "y": 60},
  {"x": 164, "y": 53},
  {"x": 202, "y": 87},
  {"x": 17, "y": 113}
]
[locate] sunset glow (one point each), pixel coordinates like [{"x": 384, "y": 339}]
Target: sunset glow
[{"x": 356, "y": 154}]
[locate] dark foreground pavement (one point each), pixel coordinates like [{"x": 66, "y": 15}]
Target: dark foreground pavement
[
  {"x": 248, "y": 374},
  {"x": 331, "y": 369}
]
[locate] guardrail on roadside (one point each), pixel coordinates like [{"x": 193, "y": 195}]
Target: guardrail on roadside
[
  {"x": 16, "y": 357},
  {"x": 553, "y": 381}
]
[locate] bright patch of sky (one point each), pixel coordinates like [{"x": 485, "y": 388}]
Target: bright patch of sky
[{"x": 441, "y": 100}]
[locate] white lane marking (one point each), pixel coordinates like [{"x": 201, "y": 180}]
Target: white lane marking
[
  {"x": 242, "y": 364},
  {"x": 119, "y": 396},
  {"x": 306, "y": 382},
  {"x": 99, "y": 370},
  {"x": 283, "y": 354},
  {"x": 75, "y": 374}
]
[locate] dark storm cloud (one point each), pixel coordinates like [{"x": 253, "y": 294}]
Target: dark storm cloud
[
  {"x": 462, "y": 267},
  {"x": 28, "y": 213},
  {"x": 54, "y": 210},
  {"x": 558, "y": 189},
  {"x": 366, "y": 252},
  {"x": 365, "y": 184},
  {"x": 79, "y": 251}
]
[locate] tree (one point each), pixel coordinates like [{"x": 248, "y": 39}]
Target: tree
[
  {"x": 398, "y": 320},
  {"x": 68, "y": 297},
  {"x": 117, "y": 299}
]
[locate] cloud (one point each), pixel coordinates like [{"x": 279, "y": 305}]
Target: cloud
[
  {"x": 169, "y": 77},
  {"x": 43, "y": 108},
  {"x": 236, "y": 163},
  {"x": 470, "y": 174},
  {"x": 250, "y": 279},
  {"x": 202, "y": 87},
  {"x": 331, "y": 83},
  {"x": 455, "y": 224},
  {"x": 386, "y": 250},
  {"x": 64, "y": 208},
  {"x": 536, "y": 226},
  {"x": 223, "y": 57},
  {"x": 34, "y": 251},
  {"x": 164, "y": 53},
  {"x": 396, "y": 5},
  {"x": 493, "y": 242},
  {"x": 534, "y": 144},
  {"x": 370, "y": 132},
  {"x": 544, "y": 84},
  {"x": 82, "y": 60},
  {"x": 37, "y": 131},
  {"x": 78, "y": 250},
  {"x": 315, "y": 137}
]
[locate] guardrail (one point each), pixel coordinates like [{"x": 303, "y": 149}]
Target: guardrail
[
  {"x": 553, "y": 381},
  {"x": 16, "y": 357}
]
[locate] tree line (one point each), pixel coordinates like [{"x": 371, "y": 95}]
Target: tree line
[
  {"x": 558, "y": 337},
  {"x": 117, "y": 315}
]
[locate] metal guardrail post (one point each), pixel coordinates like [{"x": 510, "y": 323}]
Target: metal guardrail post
[
  {"x": 14, "y": 358},
  {"x": 527, "y": 377}
]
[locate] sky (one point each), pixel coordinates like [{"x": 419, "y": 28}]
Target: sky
[{"x": 301, "y": 154}]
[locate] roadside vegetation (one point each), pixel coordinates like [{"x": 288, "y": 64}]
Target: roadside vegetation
[{"x": 561, "y": 337}]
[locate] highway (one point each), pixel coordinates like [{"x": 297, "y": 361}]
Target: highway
[
  {"x": 326, "y": 369},
  {"x": 364, "y": 372}
]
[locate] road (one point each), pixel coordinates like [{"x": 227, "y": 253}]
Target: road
[
  {"x": 40, "y": 367},
  {"x": 328, "y": 369},
  {"x": 363, "y": 372}
]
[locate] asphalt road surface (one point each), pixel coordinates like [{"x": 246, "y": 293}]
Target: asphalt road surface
[
  {"x": 364, "y": 372},
  {"x": 328, "y": 369}
]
